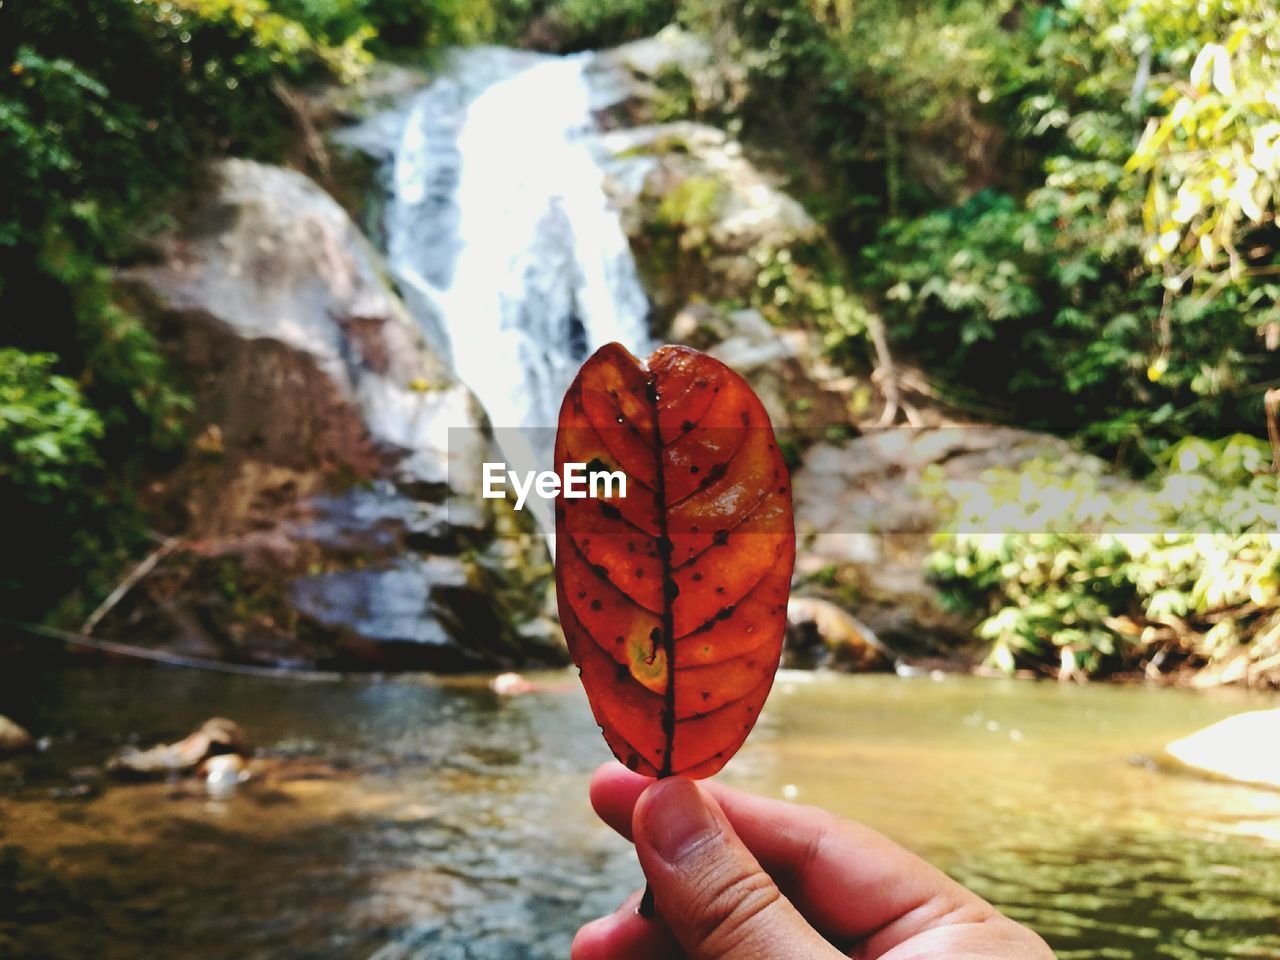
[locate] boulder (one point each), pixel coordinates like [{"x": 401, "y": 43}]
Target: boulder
[
  {"x": 671, "y": 50},
  {"x": 700, "y": 215},
  {"x": 671, "y": 75},
  {"x": 14, "y": 739},
  {"x": 334, "y": 451},
  {"x": 865, "y": 521},
  {"x": 279, "y": 312},
  {"x": 822, "y": 634},
  {"x": 805, "y": 394},
  {"x": 215, "y": 737},
  {"x": 1240, "y": 748}
]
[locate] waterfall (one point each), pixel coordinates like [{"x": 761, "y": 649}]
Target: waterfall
[{"x": 502, "y": 238}]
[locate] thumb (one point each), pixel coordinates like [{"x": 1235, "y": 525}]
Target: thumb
[{"x": 709, "y": 889}]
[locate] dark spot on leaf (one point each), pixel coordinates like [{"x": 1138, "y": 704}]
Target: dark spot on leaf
[
  {"x": 720, "y": 538},
  {"x": 596, "y": 605},
  {"x": 697, "y": 577}
]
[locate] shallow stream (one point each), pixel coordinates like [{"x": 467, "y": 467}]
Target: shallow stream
[{"x": 418, "y": 818}]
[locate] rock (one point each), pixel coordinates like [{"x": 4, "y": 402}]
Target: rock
[
  {"x": 1240, "y": 748},
  {"x": 386, "y": 611},
  {"x": 819, "y": 633},
  {"x": 805, "y": 394},
  {"x": 215, "y": 737},
  {"x": 222, "y": 774},
  {"x": 865, "y": 524},
  {"x": 279, "y": 313},
  {"x": 698, "y": 213},
  {"x": 510, "y": 685},
  {"x": 14, "y": 739},
  {"x": 671, "y": 49},
  {"x": 334, "y": 449},
  {"x": 672, "y": 74}
]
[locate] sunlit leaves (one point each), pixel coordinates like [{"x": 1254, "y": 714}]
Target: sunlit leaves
[
  {"x": 47, "y": 432},
  {"x": 1070, "y": 568},
  {"x": 1212, "y": 158}
]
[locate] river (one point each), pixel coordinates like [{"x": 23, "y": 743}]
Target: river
[{"x": 419, "y": 819}]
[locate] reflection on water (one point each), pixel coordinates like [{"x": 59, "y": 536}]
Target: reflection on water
[{"x": 424, "y": 820}]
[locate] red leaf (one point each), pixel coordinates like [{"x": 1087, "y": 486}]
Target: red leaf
[{"x": 673, "y": 599}]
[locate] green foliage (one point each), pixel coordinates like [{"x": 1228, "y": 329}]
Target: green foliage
[
  {"x": 1028, "y": 304},
  {"x": 690, "y": 207},
  {"x": 978, "y": 164},
  {"x": 60, "y": 528},
  {"x": 1213, "y": 160},
  {"x": 1075, "y": 573},
  {"x": 806, "y": 286},
  {"x": 886, "y": 106},
  {"x": 588, "y": 24},
  {"x": 47, "y": 433},
  {"x": 107, "y": 108}
]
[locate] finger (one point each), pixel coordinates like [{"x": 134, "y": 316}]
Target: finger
[
  {"x": 848, "y": 880},
  {"x": 712, "y": 893},
  {"x": 625, "y": 935}
]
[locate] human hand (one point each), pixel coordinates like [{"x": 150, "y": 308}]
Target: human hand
[{"x": 739, "y": 877}]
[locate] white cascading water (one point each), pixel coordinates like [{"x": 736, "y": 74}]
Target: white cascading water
[{"x": 501, "y": 235}]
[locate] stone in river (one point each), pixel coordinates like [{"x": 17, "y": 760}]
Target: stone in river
[
  {"x": 1240, "y": 748},
  {"x": 13, "y": 739},
  {"x": 214, "y": 737}
]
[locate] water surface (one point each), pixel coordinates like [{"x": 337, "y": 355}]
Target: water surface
[{"x": 411, "y": 818}]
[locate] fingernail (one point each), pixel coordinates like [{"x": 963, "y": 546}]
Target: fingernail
[{"x": 678, "y": 821}]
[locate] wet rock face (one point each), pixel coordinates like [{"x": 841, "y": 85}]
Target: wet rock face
[
  {"x": 699, "y": 213},
  {"x": 328, "y": 506},
  {"x": 276, "y": 307}
]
